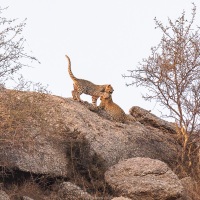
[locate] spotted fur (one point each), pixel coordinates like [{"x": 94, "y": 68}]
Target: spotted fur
[
  {"x": 112, "y": 109},
  {"x": 84, "y": 86}
]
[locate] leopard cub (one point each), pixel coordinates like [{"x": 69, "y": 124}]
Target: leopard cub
[
  {"x": 84, "y": 86},
  {"x": 112, "y": 109}
]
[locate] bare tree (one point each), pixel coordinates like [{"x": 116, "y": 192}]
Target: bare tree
[
  {"x": 172, "y": 72},
  {"x": 12, "y": 54},
  {"x": 172, "y": 76}
]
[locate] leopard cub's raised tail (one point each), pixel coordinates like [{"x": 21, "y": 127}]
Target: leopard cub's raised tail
[{"x": 69, "y": 69}]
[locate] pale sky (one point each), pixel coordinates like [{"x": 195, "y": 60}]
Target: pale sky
[{"x": 103, "y": 38}]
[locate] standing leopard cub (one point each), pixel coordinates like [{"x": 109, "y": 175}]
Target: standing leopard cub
[{"x": 84, "y": 86}]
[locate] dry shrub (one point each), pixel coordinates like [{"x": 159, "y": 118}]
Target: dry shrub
[
  {"x": 18, "y": 184},
  {"x": 87, "y": 170},
  {"x": 192, "y": 188},
  {"x": 189, "y": 161},
  {"x": 19, "y": 114}
]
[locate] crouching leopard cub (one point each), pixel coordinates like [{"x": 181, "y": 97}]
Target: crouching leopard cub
[
  {"x": 84, "y": 86},
  {"x": 112, "y": 109}
]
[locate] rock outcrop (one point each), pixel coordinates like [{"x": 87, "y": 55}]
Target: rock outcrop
[
  {"x": 39, "y": 146},
  {"x": 49, "y": 136},
  {"x": 70, "y": 191},
  {"x": 120, "y": 198},
  {"x": 3, "y": 195},
  {"x": 144, "y": 179},
  {"x": 26, "y": 198},
  {"x": 29, "y": 140},
  {"x": 147, "y": 118}
]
